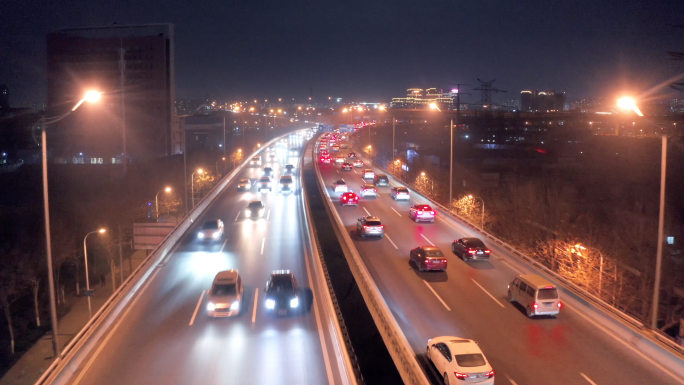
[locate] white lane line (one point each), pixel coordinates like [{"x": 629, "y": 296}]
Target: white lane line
[
  {"x": 237, "y": 216},
  {"x": 192, "y": 320},
  {"x": 427, "y": 239},
  {"x": 435, "y": 293},
  {"x": 389, "y": 239},
  {"x": 395, "y": 211},
  {"x": 490, "y": 296},
  {"x": 344, "y": 180},
  {"x": 511, "y": 380},
  {"x": 263, "y": 242},
  {"x": 268, "y": 215},
  {"x": 355, "y": 172},
  {"x": 111, "y": 333},
  {"x": 364, "y": 209},
  {"x": 338, "y": 171},
  {"x": 512, "y": 268},
  {"x": 256, "y": 297},
  {"x": 224, "y": 245},
  {"x": 628, "y": 345},
  {"x": 587, "y": 378}
]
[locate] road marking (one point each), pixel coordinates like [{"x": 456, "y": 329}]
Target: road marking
[
  {"x": 435, "y": 293},
  {"x": 256, "y": 297},
  {"x": 395, "y": 211},
  {"x": 512, "y": 268},
  {"x": 632, "y": 348},
  {"x": 388, "y": 238},
  {"x": 511, "y": 380},
  {"x": 490, "y": 296},
  {"x": 338, "y": 171},
  {"x": 344, "y": 180},
  {"x": 427, "y": 239},
  {"x": 587, "y": 378},
  {"x": 355, "y": 172},
  {"x": 192, "y": 320},
  {"x": 263, "y": 242},
  {"x": 111, "y": 333},
  {"x": 237, "y": 216},
  {"x": 224, "y": 245},
  {"x": 364, "y": 209},
  {"x": 268, "y": 215}
]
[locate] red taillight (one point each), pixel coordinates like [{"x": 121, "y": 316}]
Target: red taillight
[
  {"x": 490, "y": 373},
  {"x": 560, "y": 305},
  {"x": 344, "y": 198},
  {"x": 383, "y": 226},
  {"x": 488, "y": 251},
  {"x": 460, "y": 376},
  {"x": 375, "y": 190},
  {"x": 366, "y": 227},
  {"x": 356, "y": 198},
  {"x": 471, "y": 251},
  {"x": 535, "y": 306}
]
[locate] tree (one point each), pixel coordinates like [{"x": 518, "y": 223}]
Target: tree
[{"x": 11, "y": 287}]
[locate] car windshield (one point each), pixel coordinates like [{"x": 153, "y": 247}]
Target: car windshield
[
  {"x": 547, "y": 294},
  {"x": 224, "y": 289},
  {"x": 210, "y": 225},
  {"x": 373, "y": 223},
  {"x": 470, "y": 360},
  {"x": 402, "y": 190},
  {"x": 268, "y": 169},
  {"x": 423, "y": 207},
  {"x": 434, "y": 253},
  {"x": 254, "y": 205},
  {"x": 281, "y": 283},
  {"x": 265, "y": 179}
]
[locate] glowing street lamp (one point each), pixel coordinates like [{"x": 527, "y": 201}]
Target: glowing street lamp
[
  {"x": 156, "y": 201},
  {"x": 627, "y": 103},
  {"x": 434, "y": 106}
]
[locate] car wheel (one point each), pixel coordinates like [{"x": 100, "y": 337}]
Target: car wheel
[
  {"x": 529, "y": 312},
  {"x": 446, "y": 379},
  {"x": 510, "y": 297},
  {"x": 420, "y": 267}
]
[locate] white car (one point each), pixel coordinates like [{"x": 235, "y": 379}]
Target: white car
[
  {"x": 340, "y": 186},
  {"x": 459, "y": 359},
  {"x": 368, "y": 174},
  {"x": 225, "y": 295},
  {"x": 368, "y": 189}
]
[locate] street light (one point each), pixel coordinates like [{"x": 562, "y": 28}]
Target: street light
[
  {"x": 434, "y": 106},
  {"x": 627, "y": 103},
  {"x": 483, "y": 208},
  {"x": 156, "y": 200},
  {"x": 88, "y": 97},
  {"x": 192, "y": 185},
  {"x": 223, "y": 158},
  {"x": 85, "y": 256}
]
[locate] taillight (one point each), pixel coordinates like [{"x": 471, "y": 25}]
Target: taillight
[
  {"x": 356, "y": 198},
  {"x": 534, "y": 305},
  {"x": 375, "y": 190},
  {"x": 460, "y": 376},
  {"x": 344, "y": 198},
  {"x": 383, "y": 226},
  {"x": 471, "y": 251},
  {"x": 432, "y": 212},
  {"x": 488, "y": 251},
  {"x": 366, "y": 227},
  {"x": 490, "y": 373},
  {"x": 560, "y": 305}
]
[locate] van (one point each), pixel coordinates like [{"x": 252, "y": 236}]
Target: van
[{"x": 536, "y": 294}]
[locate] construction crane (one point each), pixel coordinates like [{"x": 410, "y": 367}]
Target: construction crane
[{"x": 487, "y": 88}]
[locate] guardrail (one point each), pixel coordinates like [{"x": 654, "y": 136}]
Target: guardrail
[
  {"x": 68, "y": 362},
  {"x": 402, "y": 354},
  {"x": 668, "y": 346}
]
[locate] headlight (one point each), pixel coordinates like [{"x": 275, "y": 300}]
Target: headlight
[
  {"x": 261, "y": 212},
  {"x": 294, "y": 302},
  {"x": 270, "y": 304},
  {"x": 235, "y": 305},
  {"x": 248, "y": 212},
  {"x": 269, "y": 185},
  {"x": 216, "y": 234},
  {"x": 211, "y": 306},
  {"x": 200, "y": 235}
]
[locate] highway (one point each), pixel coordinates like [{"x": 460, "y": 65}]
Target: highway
[
  {"x": 469, "y": 300},
  {"x": 166, "y": 336}
]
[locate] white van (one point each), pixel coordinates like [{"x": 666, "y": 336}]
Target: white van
[{"x": 537, "y": 295}]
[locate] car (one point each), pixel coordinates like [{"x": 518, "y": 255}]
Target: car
[
  {"x": 428, "y": 258},
  {"x": 470, "y": 249},
  {"x": 268, "y": 171},
  {"x": 265, "y": 184},
  {"x": 325, "y": 159},
  {"x": 282, "y": 293},
  {"x": 423, "y": 213},
  {"x": 349, "y": 199},
  {"x": 256, "y": 161},
  {"x": 271, "y": 157},
  {"x": 225, "y": 295},
  {"x": 368, "y": 174},
  {"x": 286, "y": 184},
  {"x": 289, "y": 169},
  {"x": 325, "y": 153},
  {"x": 244, "y": 184},
  {"x": 351, "y": 155},
  {"x": 358, "y": 163},
  {"x": 340, "y": 186},
  {"x": 400, "y": 193},
  {"x": 212, "y": 230},
  {"x": 368, "y": 189},
  {"x": 346, "y": 166},
  {"x": 459, "y": 360},
  {"x": 536, "y": 294},
  {"x": 370, "y": 226},
  {"x": 293, "y": 152},
  {"x": 339, "y": 159},
  {"x": 381, "y": 180},
  {"x": 335, "y": 148},
  {"x": 255, "y": 209}
]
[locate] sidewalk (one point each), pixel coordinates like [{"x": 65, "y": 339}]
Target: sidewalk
[{"x": 36, "y": 360}]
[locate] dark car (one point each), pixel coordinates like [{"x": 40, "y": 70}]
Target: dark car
[
  {"x": 381, "y": 180},
  {"x": 289, "y": 169},
  {"x": 470, "y": 249},
  {"x": 255, "y": 209},
  {"x": 267, "y": 171},
  {"x": 282, "y": 293},
  {"x": 428, "y": 258}
]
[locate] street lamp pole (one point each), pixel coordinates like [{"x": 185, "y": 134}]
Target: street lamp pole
[
  {"x": 451, "y": 166},
  {"x": 483, "y": 208},
  {"x": 85, "y": 256},
  {"x": 156, "y": 201},
  {"x": 661, "y": 225}
]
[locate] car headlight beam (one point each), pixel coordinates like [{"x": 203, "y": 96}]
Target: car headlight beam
[
  {"x": 248, "y": 212},
  {"x": 235, "y": 305},
  {"x": 294, "y": 302},
  {"x": 270, "y": 304},
  {"x": 200, "y": 235},
  {"x": 211, "y": 306}
]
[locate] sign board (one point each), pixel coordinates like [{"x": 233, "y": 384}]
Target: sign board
[
  {"x": 346, "y": 128},
  {"x": 326, "y": 127},
  {"x": 88, "y": 293},
  {"x": 147, "y": 236}
]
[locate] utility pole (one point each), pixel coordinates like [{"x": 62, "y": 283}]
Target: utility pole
[
  {"x": 120, "y": 257},
  {"x": 661, "y": 225},
  {"x": 224, "y": 142},
  {"x": 393, "y": 128},
  {"x": 122, "y": 68}
]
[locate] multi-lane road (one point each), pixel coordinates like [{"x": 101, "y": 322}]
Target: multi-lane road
[
  {"x": 166, "y": 336},
  {"x": 469, "y": 300}
]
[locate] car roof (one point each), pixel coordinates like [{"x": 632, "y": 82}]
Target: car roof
[
  {"x": 340, "y": 182},
  {"x": 255, "y": 203},
  {"x": 473, "y": 240},
  {"x": 422, "y": 206},
  {"x": 463, "y": 346},
  {"x": 212, "y": 220},
  {"x": 244, "y": 180},
  {"x": 401, "y": 188},
  {"x": 289, "y": 165},
  {"x": 368, "y": 185},
  {"x": 226, "y": 276},
  {"x": 381, "y": 176},
  {"x": 426, "y": 248},
  {"x": 372, "y": 218}
]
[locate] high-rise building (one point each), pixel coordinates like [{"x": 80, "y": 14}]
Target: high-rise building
[
  {"x": 419, "y": 98},
  {"x": 542, "y": 101},
  {"x": 133, "y": 65}
]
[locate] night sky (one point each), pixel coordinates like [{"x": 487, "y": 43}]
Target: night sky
[{"x": 371, "y": 50}]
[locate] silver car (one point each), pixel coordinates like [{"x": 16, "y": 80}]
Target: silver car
[
  {"x": 225, "y": 295},
  {"x": 212, "y": 230},
  {"x": 370, "y": 226},
  {"x": 368, "y": 189}
]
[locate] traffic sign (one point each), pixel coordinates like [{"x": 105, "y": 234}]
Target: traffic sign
[
  {"x": 346, "y": 128},
  {"x": 326, "y": 127},
  {"x": 88, "y": 293}
]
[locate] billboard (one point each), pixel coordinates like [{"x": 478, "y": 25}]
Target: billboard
[
  {"x": 326, "y": 127},
  {"x": 346, "y": 128}
]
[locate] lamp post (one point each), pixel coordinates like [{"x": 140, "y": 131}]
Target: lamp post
[
  {"x": 223, "y": 159},
  {"x": 483, "y": 208},
  {"x": 85, "y": 257},
  {"x": 451, "y": 155},
  {"x": 90, "y": 96},
  {"x": 192, "y": 185},
  {"x": 156, "y": 201}
]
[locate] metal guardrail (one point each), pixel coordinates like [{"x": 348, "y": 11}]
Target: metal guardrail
[
  {"x": 88, "y": 337},
  {"x": 401, "y": 352}
]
